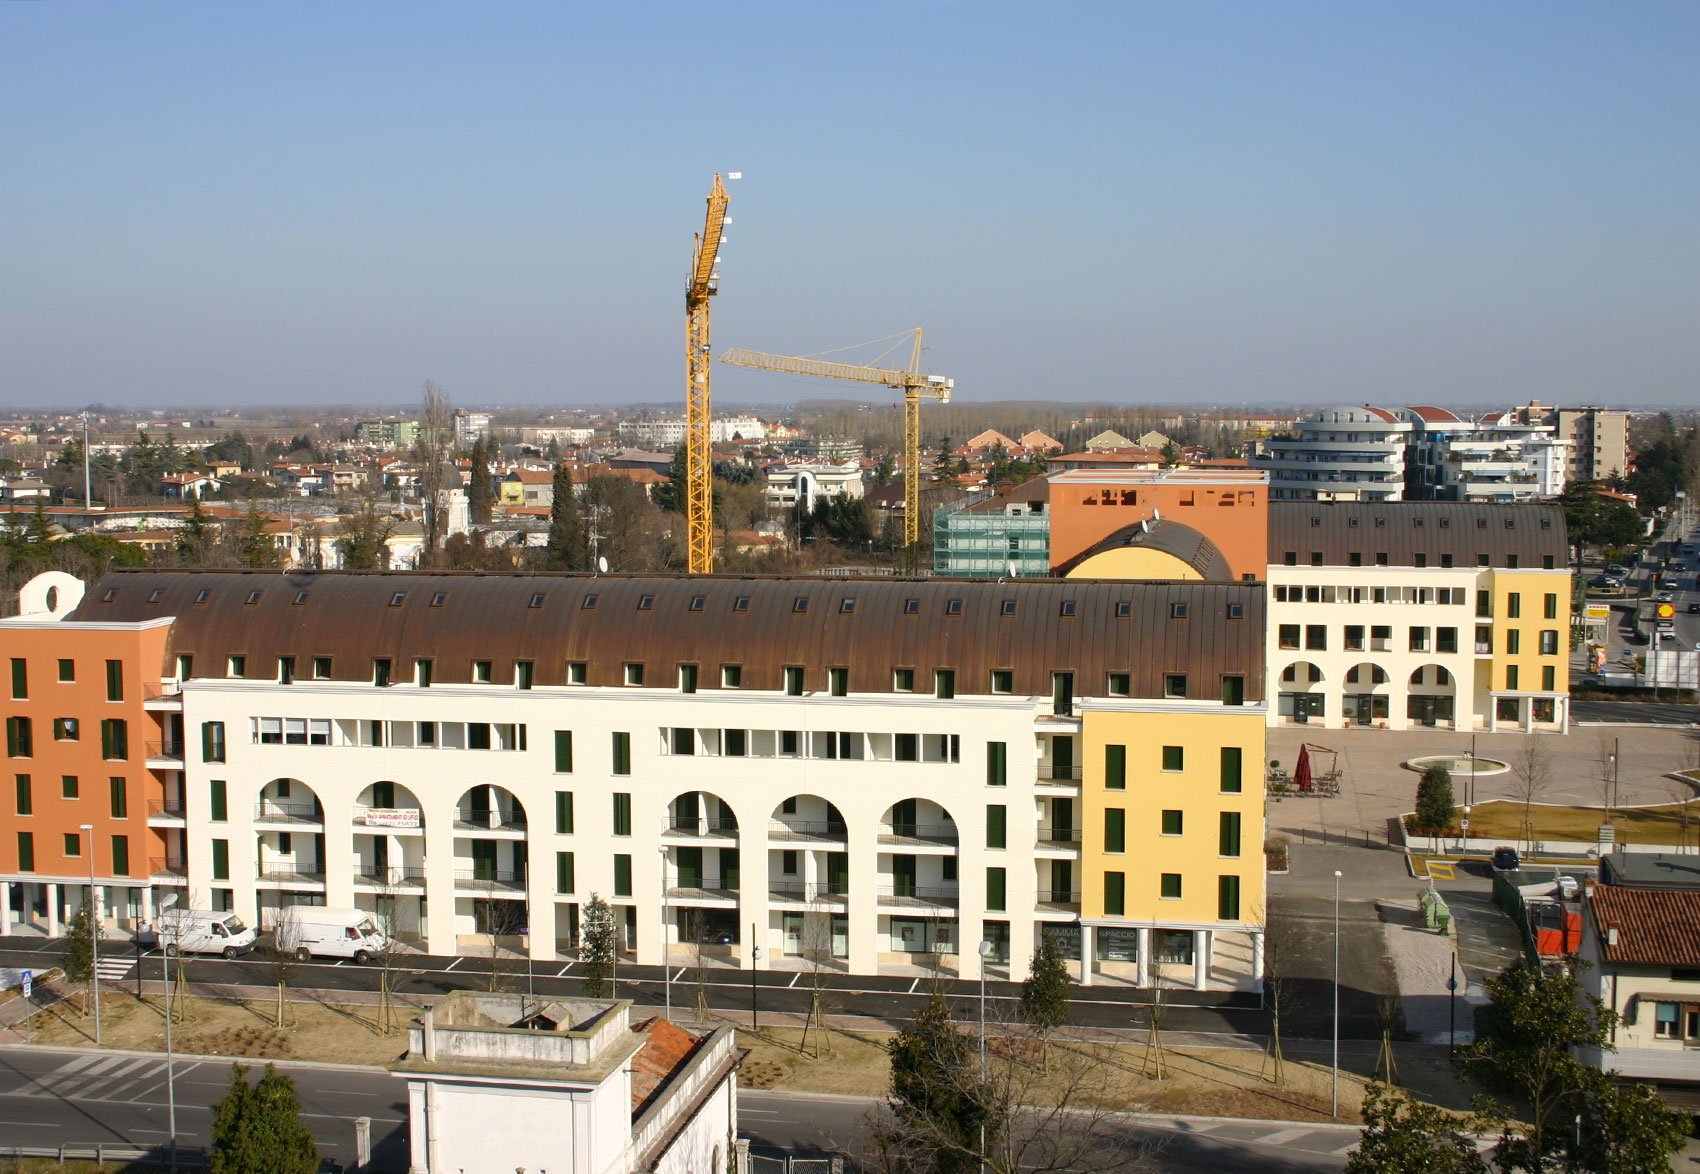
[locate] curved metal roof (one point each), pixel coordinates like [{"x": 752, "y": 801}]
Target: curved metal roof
[
  {"x": 1169, "y": 537},
  {"x": 1403, "y": 529},
  {"x": 1029, "y": 627}
]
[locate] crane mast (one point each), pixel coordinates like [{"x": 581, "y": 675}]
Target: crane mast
[
  {"x": 699, "y": 487},
  {"x": 916, "y": 387}
]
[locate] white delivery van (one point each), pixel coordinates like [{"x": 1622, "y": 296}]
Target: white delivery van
[
  {"x": 201, "y": 931},
  {"x": 308, "y": 930}
]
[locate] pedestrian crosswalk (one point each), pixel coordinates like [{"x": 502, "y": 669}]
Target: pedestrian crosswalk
[
  {"x": 113, "y": 969},
  {"x": 101, "y": 1077}
]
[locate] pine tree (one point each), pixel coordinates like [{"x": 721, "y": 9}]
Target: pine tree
[
  {"x": 193, "y": 538},
  {"x": 480, "y": 496},
  {"x": 938, "y": 1101},
  {"x": 600, "y": 942},
  {"x": 258, "y": 1129},
  {"x": 254, "y": 546},
  {"x": 1044, "y": 994},
  {"x": 569, "y": 541},
  {"x": 40, "y": 530},
  {"x": 1434, "y": 801}
]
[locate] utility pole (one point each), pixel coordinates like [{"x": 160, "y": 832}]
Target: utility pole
[{"x": 88, "y": 496}]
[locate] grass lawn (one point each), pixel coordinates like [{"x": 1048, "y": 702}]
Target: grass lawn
[
  {"x": 312, "y": 1031},
  {"x": 1502, "y": 819}
]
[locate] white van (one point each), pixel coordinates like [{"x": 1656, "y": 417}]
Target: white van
[
  {"x": 308, "y": 930},
  {"x": 201, "y": 931}
]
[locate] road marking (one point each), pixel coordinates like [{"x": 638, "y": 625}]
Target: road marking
[
  {"x": 1283, "y": 1136},
  {"x": 1345, "y": 1145},
  {"x": 1441, "y": 870},
  {"x": 455, "y": 963},
  {"x": 912, "y": 987},
  {"x": 758, "y": 1112},
  {"x": 563, "y": 970},
  {"x": 76, "y": 1065},
  {"x": 794, "y": 979},
  {"x": 113, "y": 969}
]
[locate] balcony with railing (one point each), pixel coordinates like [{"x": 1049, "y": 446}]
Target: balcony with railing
[
  {"x": 165, "y": 754},
  {"x": 920, "y": 834},
  {"x": 168, "y": 868},
  {"x": 1060, "y": 900},
  {"x": 1059, "y": 837},
  {"x": 489, "y": 819},
  {"x": 296, "y": 815},
  {"x": 706, "y": 890},
  {"x": 291, "y": 873},
  {"x": 918, "y": 896},
  {"x": 1061, "y": 774},
  {"x": 163, "y": 696},
  {"x": 788, "y": 892},
  {"x": 489, "y": 880},
  {"x": 817, "y": 831},
  {"x": 390, "y": 877},
  {"x": 167, "y": 812},
  {"x": 389, "y": 820},
  {"x": 702, "y": 827}
]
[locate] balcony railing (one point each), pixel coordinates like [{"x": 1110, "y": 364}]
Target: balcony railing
[
  {"x": 702, "y": 825},
  {"x": 270, "y": 811},
  {"x": 310, "y": 872},
  {"x": 1049, "y": 835},
  {"x": 395, "y": 875},
  {"x": 1059, "y": 897},
  {"x": 806, "y": 829},
  {"x": 174, "y": 807},
  {"x": 917, "y": 896},
  {"x": 1483, "y": 648},
  {"x": 801, "y": 891},
  {"x": 489, "y": 879},
  {"x": 153, "y": 692},
  {"x": 1061, "y": 774},
  {"x": 938, "y": 833},
  {"x": 165, "y": 748},
  {"x": 170, "y": 866},
  {"x": 489, "y": 819},
  {"x": 706, "y": 888}
]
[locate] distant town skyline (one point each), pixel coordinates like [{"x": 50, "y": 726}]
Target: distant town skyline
[{"x": 1231, "y": 204}]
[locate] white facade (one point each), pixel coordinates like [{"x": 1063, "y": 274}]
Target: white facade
[
  {"x": 1341, "y": 453},
  {"x": 668, "y": 433},
  {"x": 791, "y": 484}
]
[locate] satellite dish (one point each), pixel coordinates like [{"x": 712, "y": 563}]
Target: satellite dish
[
  {"x": 1012, "y": 571},
  {"x": 602, "y": 565}
]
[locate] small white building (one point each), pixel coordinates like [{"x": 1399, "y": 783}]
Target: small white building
[
  {"x": 789, "y": 484},
  {"x": 511, "y": 1082}
]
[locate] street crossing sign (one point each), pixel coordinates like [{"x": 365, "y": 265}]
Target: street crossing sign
[{"x": 29, "y": 981}]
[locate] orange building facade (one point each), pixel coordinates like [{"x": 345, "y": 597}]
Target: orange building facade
[
  {"x": 93, "y": 758},
  {"x": 1230, "y": 507}
]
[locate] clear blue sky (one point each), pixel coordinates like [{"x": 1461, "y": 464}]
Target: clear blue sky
[{"x": 1181, "y": 202}]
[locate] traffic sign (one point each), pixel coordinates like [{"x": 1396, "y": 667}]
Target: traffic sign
[{"x": 29, "y": 981}]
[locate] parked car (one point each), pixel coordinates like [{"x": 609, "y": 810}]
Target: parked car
[
  {"x": 1604, "y": 582},
  {"x": 1506, "y": 860},
  {"x": 1666, "y": 597},
  {"x": 1617, "y": 569},
  {"x": 1694, "y": 609}
]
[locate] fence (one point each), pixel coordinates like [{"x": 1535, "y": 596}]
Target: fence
[
  {"x": 189, "y": 1157},
  {"x": 766, "y": 1164}
]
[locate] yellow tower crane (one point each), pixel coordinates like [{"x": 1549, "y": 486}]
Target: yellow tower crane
[
  {"x": 916, "y": 387},
  {"x": 699, "y": 461}
]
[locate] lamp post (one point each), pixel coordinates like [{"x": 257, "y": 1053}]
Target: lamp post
[
  {"x": 985, "y": 952},
  {"x": 170, "y": 1070},
  {"x": 1452, "y": 1008},
  {"x": 94, "y": 934},
  {"x": 1472, "y": 796},
  {"x": 1614, "y": 773},
  {"x": 666, "y": 963},
  {"x": 1334, "y": 1111},
  {"x": 755, "y": 956}
]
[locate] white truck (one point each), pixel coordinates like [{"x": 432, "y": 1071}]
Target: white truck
[
  {"x": 317, "y": 930},
  {"x": 203, "y": 931}
]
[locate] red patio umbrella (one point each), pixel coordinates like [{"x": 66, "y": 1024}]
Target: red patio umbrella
[{"x": 1301, "y": 773}]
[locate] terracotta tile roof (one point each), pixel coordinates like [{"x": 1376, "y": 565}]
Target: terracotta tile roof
[
  {"x": 1433, "y": 415},
  {"x": 1655, "y": 927},
  {"x": 663, "y": 1051}
]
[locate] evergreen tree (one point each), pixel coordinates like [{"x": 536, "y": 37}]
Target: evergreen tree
[
  {"x": 254, "y": 546},
  {"x": 937, "y": 1096},
  {"x": 671, "y": 496},
  {"x": 258, "y": 1129},
  {"x": 480, "y": 497},
  {"x": 362, "y": 539},
  {"x": 78, "y": 963},
  {"x": 40, "y": 530},
  {"x": 1044, "y": 994},
  {"x": 597, "y": 953},
  {"x": 569, "y": 541},
  {"x": 196, "y": 534},
  {"x": 1434, "y": 801},
  {"x": 1405, "y": 1136}
]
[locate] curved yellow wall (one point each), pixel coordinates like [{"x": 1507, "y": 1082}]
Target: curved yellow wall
[{"x": 1134, "y": 563}]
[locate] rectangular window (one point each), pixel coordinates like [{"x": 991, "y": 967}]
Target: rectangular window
[
  {"x": 1172, "y": 823},
  {"x": 286, "y": 670},
  {"x": 115, "y": 680},
  {"x": 20, "y": 679},
  {"x": 902, "y": 680},
  {"x": 1288, "y": 635},
  {"x": 1513, "y": 641},
  {"x": 65, "y": 729},
  {"x": 996, "y": 889},
  {"x": 1419, "y": 640},
  {"x": 1484, "y": 605},
  {"x": 1115, "y": 829},
  {"x": 73, "y": 844},
  {"x": 1233, "y": 690},
  {"x": 212, "y": 741},
  {"x": 20, "y": 742},
  {"x": 944, "y": 684},
  {"x": 838, "y": 682},
  {"x": 1232, "y": 760},
  {"x": 1003, "y": 681},
  {"x": 1121, "y": 684},
  {"x": 120, "y": 855},
  {"x": 687, "y": 678},
  {"x": 114, "y": 739},
  {"x": 622, "y": 875},
  {"x": 218, "y": 804},
  {"x": 236, "y": 666},
  {"x": 908, "y": 747},
  {"x": 1514, "y": 606},
  {"x": 1549, "y": 606},
  {"x": 997, "y": 764},
  {"x": 26, "y": 851},
  {"x": 1174, "y": 758},
  {"x": 1446, "y": 639},
  {"x": 1354, "y": 637},
  {"x": 1115, "y": 894},
  {"x": 563, "y": 752},
  {"x": 731, "y": 676},
  {"x": 563, "y": 813},
  {"x": 1171, "y": 886},
  {"x": 622, "y": 813},
  {"x": 1174, "y": 684},
  {"x": 793, "y": 681},
  {"x": 577, "y": 672},
  {"x": 1228, "y": 838},
  {"x": 622, "y": 753},
  {"x": 1115, "y": 768},
  {"x": 67, "y": 672},
  {"x": 1511, "y": 676},
  {"x": 1549, "y": 642},
  {"x": 221, "y": 859},
  {"x": 564, "y": 872},
  {"x": 524, "y": 671},
  {"x": 736, "y": 743},
  {"x": 1228, "y": 898},
  {"x": 481, "y": 672},
  {"x": 997, "y": 825},
  {"x": 321, "y": 668},
  {"x": 26, "y": 804},
  {"x": 1549, "y": 678},
  {"x": 69, "y": 788},
  {"x": 120, "y": 796},
  {"x": 1316, "y": 637},
  {"x": 790, "y": 744}
]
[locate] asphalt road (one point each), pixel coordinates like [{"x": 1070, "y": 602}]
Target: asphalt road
[{"x": 71, "y": 1095}]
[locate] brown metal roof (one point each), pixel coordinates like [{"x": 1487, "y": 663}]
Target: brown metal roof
[
  {"x": 1404, "y": 529},
  {"x": 866, "y": 625},
  {"x": 1170, "y": 537}
]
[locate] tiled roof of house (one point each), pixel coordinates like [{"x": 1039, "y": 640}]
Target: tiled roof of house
[
  {"x": 664, "y": 1049},
  {"x": 1655, "y": 927}
]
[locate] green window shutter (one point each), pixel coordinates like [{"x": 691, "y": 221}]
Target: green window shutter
[
  {"x": 106, "y": 738},
  {"x": 563, "y": 813},
  {"x": 221, "y": 859},
  {"x": 20, "y": 679},
  {"x": 218, "y": 807},
  {"x": 115, "y": 738},
  {"x": 1171, "y": 885},
  {"x": 622, "y": 814},
  {"x": 1115, "y": 894},
  {"x": 26, "y": 805},
  {"x": 1115, "y": 829},
  {"x": 212, "y": 741},
  {"x": 120, "y": 855},
  {"x": 1115, "y": 767},
  {"x": 12, "y": 738},
  {"x": 1228, "y": 898},
  {"x": 563, "y": 752},
  {"x": 1230, "y": 837},
  {"x": 995, "y": 885},
  {"x": 1232, "y": 758},
  {"x": 622, "y": 875},
  {"x": 120, "y": 799},
  {"x": 997, "y": 825},
  {"x": 115, "y": 680},
  {"x": 1173, "y": 758},
  {"x": 564, "y": 872},
  {"x": 26, "y": 852},
  {"x": 1172, "y": 823},
  {"x": 622, "y": 753},
  {"x": 997, "y": 764}
]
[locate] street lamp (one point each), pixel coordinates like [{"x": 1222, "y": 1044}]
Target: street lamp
[
  {"x": 666, "y": 963},
  {"x": 170, "y": 1071},
  {"x": 985, "y": 952},
  {"x": 755, "y": 956},
  {"x": 1334, "y": 1111},
  {"x": 94, "y": 934},
  {"x": 1452, "y": 1008}
]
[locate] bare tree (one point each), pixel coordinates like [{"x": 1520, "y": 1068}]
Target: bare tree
[
  {"x": 505, "y": 921},
  {"x": 1531, "y": 768},
  {"x": 1605, "y": 769},
  {"x": 1281, "y": 987},
  {"x": 817, "y": 955},
  {"x": 280, "y": 958},
  {"x": 1682, "y": 794},
  {"x": 436, "y": 438},
  {"x": 387, "y": 957}
]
